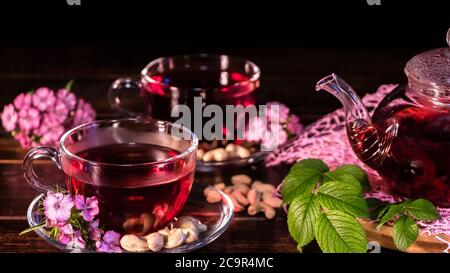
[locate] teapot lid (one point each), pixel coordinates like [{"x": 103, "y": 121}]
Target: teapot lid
[{"x": 429, "y": 77}]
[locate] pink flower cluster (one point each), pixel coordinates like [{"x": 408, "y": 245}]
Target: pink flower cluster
[
  {"x": 73, "y": 218},
  {"x": 41, "y": 117},
  {"x": 273, "y": 128}
]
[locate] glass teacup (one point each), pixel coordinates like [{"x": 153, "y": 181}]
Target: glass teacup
[{"x": 140, "y": 170}]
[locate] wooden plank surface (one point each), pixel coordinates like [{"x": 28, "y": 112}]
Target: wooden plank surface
[
  {"x": 423, "y": 244},
  {"x": 288, "y": 75}
]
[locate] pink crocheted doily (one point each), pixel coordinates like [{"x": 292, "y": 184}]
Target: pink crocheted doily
[{"x": 327, "y": 139}]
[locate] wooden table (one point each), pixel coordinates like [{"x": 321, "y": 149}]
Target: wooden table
[{"x": 288, "y": 75}]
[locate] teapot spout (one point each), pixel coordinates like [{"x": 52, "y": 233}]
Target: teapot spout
[
  {"x": 369, "y": 144},
  {"x": 353, "y": 106}
]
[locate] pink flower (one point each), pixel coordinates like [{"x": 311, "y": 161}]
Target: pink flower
[
  {"x": 22, "y": 101},
  {"x": 78, "y": 240},
  {"x": 65, "y": 233},
  {"x": 29, "y": 119},
  {"x": 66, "y": 97},
  {"x": 95, "y": 233},
  {"x": 277, "y": 111},
  {"x": 50, "y": 120},
  {"x": 52, "y": 135},
  {"x": 89, "y": 206},
  {"x": 256, "y": 129},
  {"x": 273, "y": 138},
  {"x": 43, "y": 98},
  {"x": 24, "y": 140},
  {"x": 109, "y": 243},
  {"x": 9, "y": 118},
  {"x": 294, "y": 125},
  {"x": 60, "y": 112},
  {"x": 83, "y": 114},
  {"x": 57, "y": 208}
]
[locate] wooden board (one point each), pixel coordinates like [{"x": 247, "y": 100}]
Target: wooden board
[{"x": 424, "y": 244}]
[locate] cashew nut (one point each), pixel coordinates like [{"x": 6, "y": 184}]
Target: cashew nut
[
  {"x": 241, "y": 188},
  {"x": 147, "y": 221},
  {"x": 253, "y": 196},
  {"x": 164, "y": 232},
  {"x": 133, "y": 243},
  {"x": 269, "y": 212},
  {"x": 131, "y": 224},
  {"x": 240, "y": 198},
  {"x": 212, "y": 195},
  {"x": 200, "y": 154},
  {"x": 271, "y": 200},
  {"x": 220, "y": 186},
  {"x": 218, "y": 154},
  {"x": 177, "y": 237},
  {"x": 155, "y": 241},
  {"x": 237, "y": 150},
  {"x": 192, "y": 226},
  {"x": 237, "y": 207},
  {"x": 262, "y": 187},
  {"x": 241, "y": 179}
]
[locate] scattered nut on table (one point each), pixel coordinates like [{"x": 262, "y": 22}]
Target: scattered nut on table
[
  {"x": 256, "y": 196},
  {"x": 241, "y": 179}
]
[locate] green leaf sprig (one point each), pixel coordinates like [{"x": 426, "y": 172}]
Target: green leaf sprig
[
  {"x": 325, "y": 205},
  {"x": 405, "y": 215}
]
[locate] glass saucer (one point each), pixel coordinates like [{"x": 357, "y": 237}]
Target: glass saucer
[
  {"x": 216, "y": 216},
  {"x": 232, "y": 163}
]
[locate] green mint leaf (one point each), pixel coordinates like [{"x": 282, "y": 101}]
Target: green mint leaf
[
  {"x": 421, "y": 209},
  {"x": 338, "y": 232},
  {"x": 68, "y": 86},
  {"x": 405, "y": 232},
  {"x": 302, "y": 178},
  {"x": 359, "y": 174},
  {"x": 336, "y": 195},
  {"x": 343, "y": 178},
  {"x": 302, "y": 215},
  {"x": 388, "y": 213}
]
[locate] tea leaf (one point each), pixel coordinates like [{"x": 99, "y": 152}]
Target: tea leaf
[
  {"x": 359, "y": 174},
  {"x": 302, "y": 216},
  {"x": 388, "y": 213},
  {"x": 405, "y": 232},
  {"x": 302, "y": 178},
  {"x": 421, "y": 209},
  {"x": 337, "y": 231},
  {"x": 336, "y": 195},
  {"x": 343, "y": 178}
]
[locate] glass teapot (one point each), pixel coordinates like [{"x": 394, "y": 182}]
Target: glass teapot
[{"x": 407, "y": 140}]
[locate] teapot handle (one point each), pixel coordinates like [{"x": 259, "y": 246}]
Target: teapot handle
[{"x": 448, "y": 37}]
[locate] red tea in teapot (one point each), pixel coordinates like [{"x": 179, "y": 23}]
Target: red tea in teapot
[
  {"x": 407, "y": 140},
  {"x": 417, "y": 163}
]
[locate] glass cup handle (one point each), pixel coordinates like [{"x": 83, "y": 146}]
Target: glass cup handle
[
  {"x": 27, "y": 167},
  {"x": 116, "y": 89}
]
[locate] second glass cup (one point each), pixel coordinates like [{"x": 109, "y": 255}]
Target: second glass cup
[{"x": 178, "y": 80}]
